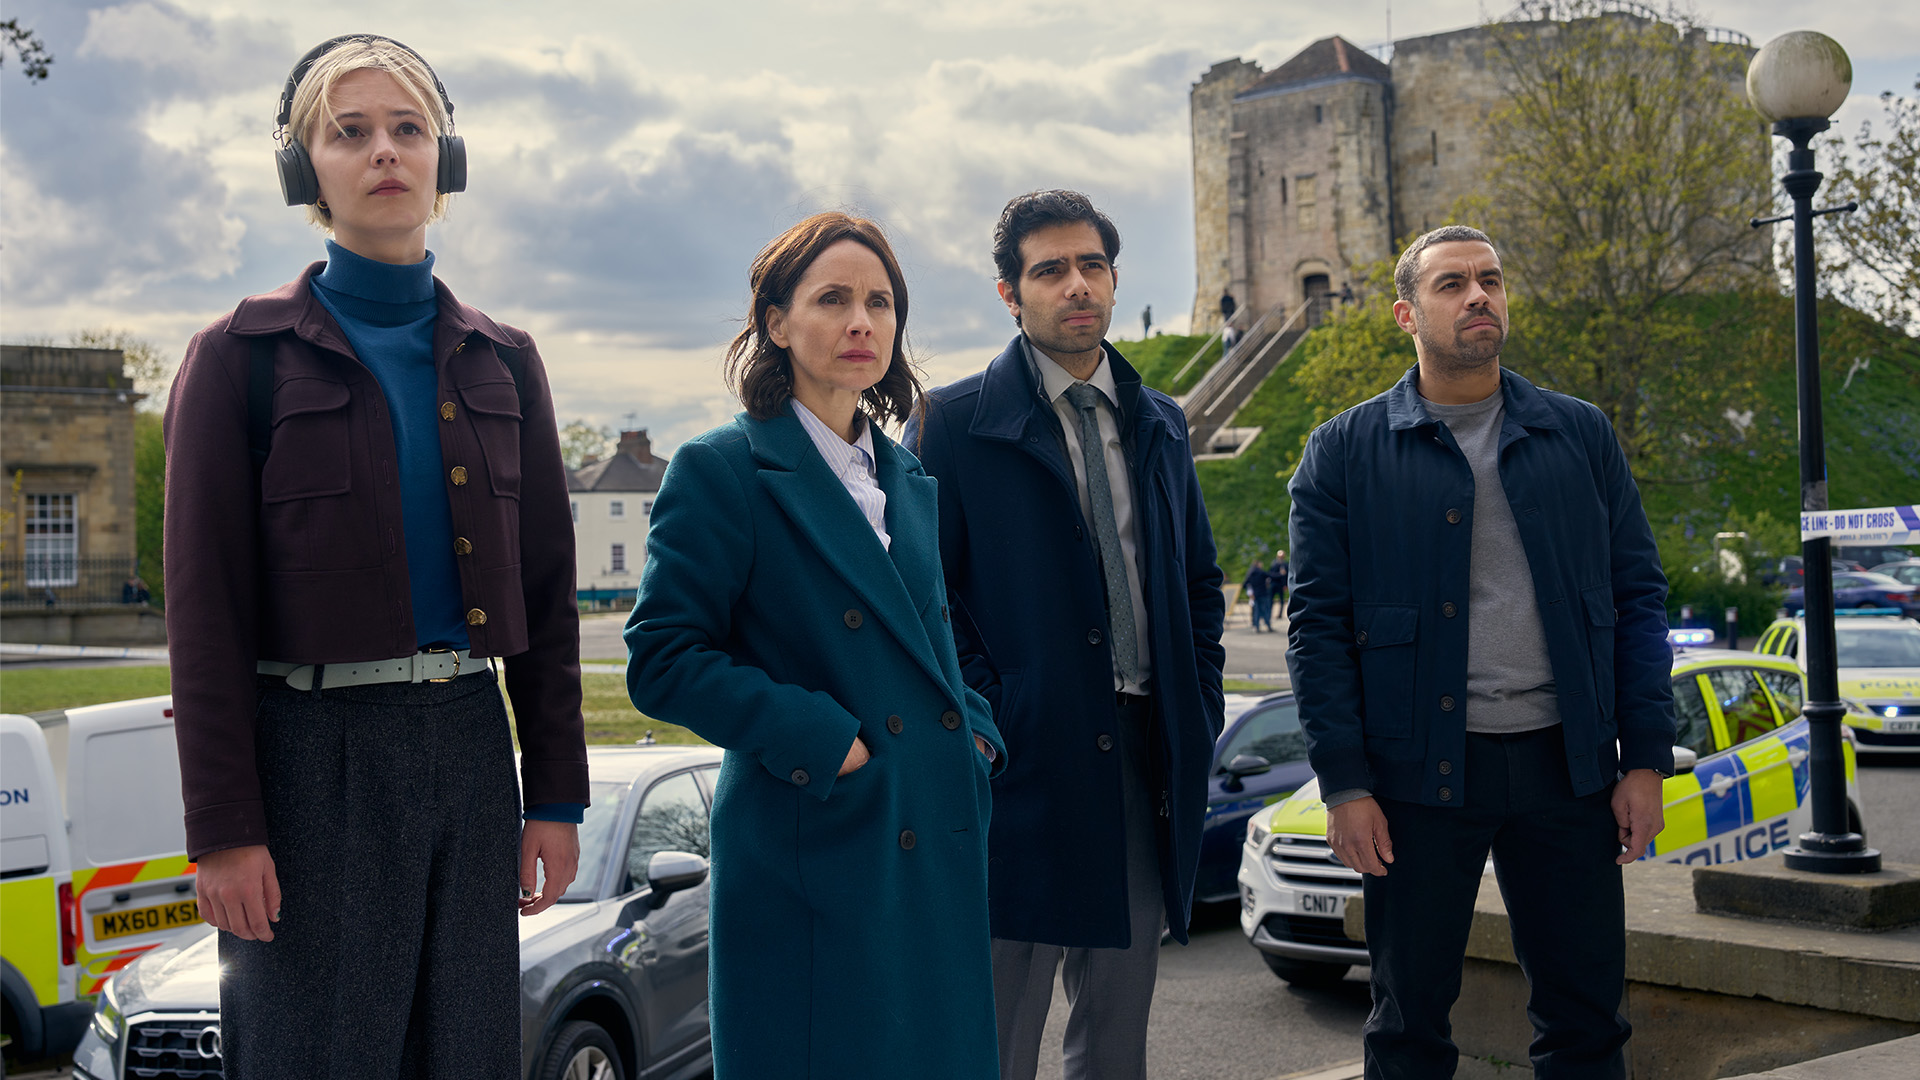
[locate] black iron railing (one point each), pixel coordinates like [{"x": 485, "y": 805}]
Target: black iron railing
[{"x": 56, "y": 580}]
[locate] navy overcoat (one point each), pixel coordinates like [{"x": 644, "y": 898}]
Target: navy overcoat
[
  {"x": 1382, "y": 527},
  {"x": 1030, "y": 620},
  {"x": 849, "y": 915}
]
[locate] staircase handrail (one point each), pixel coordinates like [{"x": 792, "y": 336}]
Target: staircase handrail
[
  {"x": 1208, "y": 344},
  {"x": 1197, "y": 397}
]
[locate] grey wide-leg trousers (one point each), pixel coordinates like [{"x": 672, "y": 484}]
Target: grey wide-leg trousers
[
  {"x": 393, "y": 819},
  {"x": 1109, "y": 991}
]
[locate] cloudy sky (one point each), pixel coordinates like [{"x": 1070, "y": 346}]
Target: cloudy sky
[{"x": 628, "y": 159}]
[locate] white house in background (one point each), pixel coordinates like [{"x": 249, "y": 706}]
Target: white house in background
[{"x": 612, "y": 502}]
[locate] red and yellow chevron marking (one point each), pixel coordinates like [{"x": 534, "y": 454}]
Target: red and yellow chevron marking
[{"x": 98, "y": 967}]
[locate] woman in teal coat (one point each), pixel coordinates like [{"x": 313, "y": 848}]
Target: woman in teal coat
[{"x": 793, "y": 611}]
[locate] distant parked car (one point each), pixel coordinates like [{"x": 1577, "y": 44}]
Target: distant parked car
[
  {"x": 613, "y": 978},
  {"x": 1863, "y": 590},
  {"x": 1792, "y": 571},
  {"x": 1906, "y": 571},
  {"x": 1259, "y": 759}
]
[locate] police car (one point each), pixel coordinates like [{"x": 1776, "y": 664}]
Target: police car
[
  {"x": 1740, "y": 793},
  {"x": 1879, "y": 660}
]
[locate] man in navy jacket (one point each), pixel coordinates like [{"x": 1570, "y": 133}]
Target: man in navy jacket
[
  {"x": 1087, "y": 609},
  {"x": 1478, "y": 644}
]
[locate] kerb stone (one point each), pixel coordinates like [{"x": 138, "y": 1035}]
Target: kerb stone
[{"x": 1767, "y": 889}]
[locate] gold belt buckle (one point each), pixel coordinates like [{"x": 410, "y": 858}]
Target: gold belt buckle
[{"x": 456, "y": 665}]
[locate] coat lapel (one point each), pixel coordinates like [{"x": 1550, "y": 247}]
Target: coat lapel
[{"x": 812, "y": 497}]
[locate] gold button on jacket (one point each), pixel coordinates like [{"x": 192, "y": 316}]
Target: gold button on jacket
[
  {"x": 476, "y": 617},
  {"x": 459, "y": 475},
  {"x": 462, "y": 546},
  {"x": 446, "y": 410}
]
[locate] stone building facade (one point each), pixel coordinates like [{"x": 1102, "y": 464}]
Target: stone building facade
[
  {"x": 66, "y": 437},
  {"x": 1304, "y": 175}
]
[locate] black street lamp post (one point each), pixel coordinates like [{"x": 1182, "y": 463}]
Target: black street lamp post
[{"x": 1797, "y": 80}]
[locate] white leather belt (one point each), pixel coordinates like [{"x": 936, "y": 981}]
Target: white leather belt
[{"x": 431, "y": 665}]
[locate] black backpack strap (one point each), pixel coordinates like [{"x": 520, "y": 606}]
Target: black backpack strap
[{"x": 260, "y": 404}]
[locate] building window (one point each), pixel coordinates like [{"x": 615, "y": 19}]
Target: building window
[
  {"x": 617, "y": 509},
  {"x": 1319, "y": 113},
  {"x": 52, "y": 541},
  {"x": 576, "y": 511},
  {"x": 1305, "y": 191},
  {"x": 646, "y": 507},
  {"x": 1283, "y": 191},
  {"x": 1435, "y": 137},
  {"x": 618, "y": 560}
]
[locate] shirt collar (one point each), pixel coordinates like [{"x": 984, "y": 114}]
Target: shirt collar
[
  {"x": 824, "y": 437},
  {"x": 1055, "y": 381}
]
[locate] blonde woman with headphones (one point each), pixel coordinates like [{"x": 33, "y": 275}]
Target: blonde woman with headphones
[{"x": 365, "y": 506}]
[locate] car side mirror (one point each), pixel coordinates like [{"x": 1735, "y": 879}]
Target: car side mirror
[
  {"x": 1243, "y": 766},
  {"x": 669, "y": 872},
  {"x": 1684, "y": 760}
]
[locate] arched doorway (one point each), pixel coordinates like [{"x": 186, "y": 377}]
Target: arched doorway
[{"x": 1319, "y": 292}]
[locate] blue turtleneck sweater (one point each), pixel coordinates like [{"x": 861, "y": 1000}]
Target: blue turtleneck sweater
[{"x": 388, "y": 314}]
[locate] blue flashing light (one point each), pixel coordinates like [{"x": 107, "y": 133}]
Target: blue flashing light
[
  {"x": 1891, "y": 710},
  {"x": 1683, "y": 637}
]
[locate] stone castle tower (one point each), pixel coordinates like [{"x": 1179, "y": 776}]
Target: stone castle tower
[{"x": 1305, "y": 174}]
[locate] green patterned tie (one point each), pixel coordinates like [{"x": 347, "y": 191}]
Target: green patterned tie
[{"x": 1093, "y": 451}]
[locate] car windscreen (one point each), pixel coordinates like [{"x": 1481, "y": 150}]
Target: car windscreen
[
  {"x": 596, "y": 835},
  {"x": 1878, "y": 646}
]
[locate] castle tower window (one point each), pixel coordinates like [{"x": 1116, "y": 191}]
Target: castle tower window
[
  {"x": 1283, "y": 191},
  {"x": 1304, "y": 194},
  {"x": 1435, "y": 136},
  {"x": 1319, "y": 113}
]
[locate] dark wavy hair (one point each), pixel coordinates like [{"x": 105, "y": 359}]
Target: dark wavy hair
[
  {"x": 761, "y": 373},
  {"x": 1037, "y": 210}
]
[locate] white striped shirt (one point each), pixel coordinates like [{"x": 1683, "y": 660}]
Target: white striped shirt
[{"x": 853, "y": 464}]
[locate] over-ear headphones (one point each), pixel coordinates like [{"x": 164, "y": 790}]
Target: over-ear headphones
[{"x": 301, "y": 186}]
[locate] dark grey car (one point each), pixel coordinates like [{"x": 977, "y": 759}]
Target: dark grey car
[{"x": 613, "y": 979}]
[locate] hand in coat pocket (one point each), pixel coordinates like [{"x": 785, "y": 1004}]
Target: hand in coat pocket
[{"x": 857, "y": 756}]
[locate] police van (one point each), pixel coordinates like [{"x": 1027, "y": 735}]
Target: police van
[
  {"x": 1740, "y": 791},
  {"x": 93, "y": 865}
]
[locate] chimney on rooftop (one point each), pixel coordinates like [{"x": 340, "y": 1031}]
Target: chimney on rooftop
[{"x": 637, "y": 444}]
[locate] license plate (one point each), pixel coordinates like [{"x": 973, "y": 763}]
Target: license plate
[
  {"x": 1317, "y": 903},
  {"x": 113, "y": 924},
  {"x": 1900, "y": 727}
]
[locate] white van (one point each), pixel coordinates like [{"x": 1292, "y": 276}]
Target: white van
[{"x": 93, "y": 864}]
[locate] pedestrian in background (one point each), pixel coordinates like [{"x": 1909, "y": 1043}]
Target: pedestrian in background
[
  {"x": 1146, "y": 322},
  {"x": 1478, "y": 643},
  {"x": 1069, "y": 511},
  {"x": 793, "y": 611},
  {"x": 1278, "y": 576},
  {"x": 365, "y": 504},
  {"x": 1258, "y": 586}
]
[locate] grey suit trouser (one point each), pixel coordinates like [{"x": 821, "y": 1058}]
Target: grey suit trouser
[
  {"x": 1109, "y": 991},
  {"x": 393, "y": 823}
]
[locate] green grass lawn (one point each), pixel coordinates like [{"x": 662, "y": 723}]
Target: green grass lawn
[{"x": 39, "y": 689}]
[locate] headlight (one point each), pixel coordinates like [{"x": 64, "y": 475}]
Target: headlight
[
  {"x": 1256, "y": 835},
  {"x": 108, "y": 1022}
]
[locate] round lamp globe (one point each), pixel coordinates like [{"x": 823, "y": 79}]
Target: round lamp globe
[{"x": 1802, "y": 74}]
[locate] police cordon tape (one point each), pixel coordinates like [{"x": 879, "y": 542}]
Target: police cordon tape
[{"x": 1874, "y": 525}]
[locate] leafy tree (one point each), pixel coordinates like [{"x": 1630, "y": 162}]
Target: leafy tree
[
  {"x": 149, "y": 500},
  {"x": 27, "y": 48},
  {"x": 1872, "y": 258},
  {"x": 1624, "y": 164},
  {"x": 580, "y": 440},
  {"x": 151, "y": 369}
]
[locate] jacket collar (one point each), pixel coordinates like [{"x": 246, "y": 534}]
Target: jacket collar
[
  {"x": 1011, "y": 395},
  {"x": 293, "y": 307},
  {"x": 814, "y": 499},
  {"x": 1526, "y": 405}
]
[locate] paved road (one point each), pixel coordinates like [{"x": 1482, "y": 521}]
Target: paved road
[{"x": 1890, "y": 804}]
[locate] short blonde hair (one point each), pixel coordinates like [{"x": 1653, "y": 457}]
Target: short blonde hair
[{"x": 311, "y": 99}]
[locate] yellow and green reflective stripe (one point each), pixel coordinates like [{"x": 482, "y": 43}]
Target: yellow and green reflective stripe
[{"x": 30, "y": 933}]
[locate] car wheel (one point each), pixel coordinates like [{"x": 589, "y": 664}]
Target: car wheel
[
  {"x": 582, "y": 1051},
  {"x": 1305, "y": 973}
]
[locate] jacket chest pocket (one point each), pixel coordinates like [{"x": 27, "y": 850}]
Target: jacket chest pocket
[
  {"x": 311, "y": 455},
  {"x": 1384, "y": 636},
  {"x": 494, "y": 408}
]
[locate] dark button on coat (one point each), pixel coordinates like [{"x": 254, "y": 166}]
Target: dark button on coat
[
  {"x": 1025, "y": 587},
  {"x": 849, "y": 916}
]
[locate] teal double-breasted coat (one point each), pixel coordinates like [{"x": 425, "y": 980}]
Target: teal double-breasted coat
[{"x": 849, "y": 914}]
